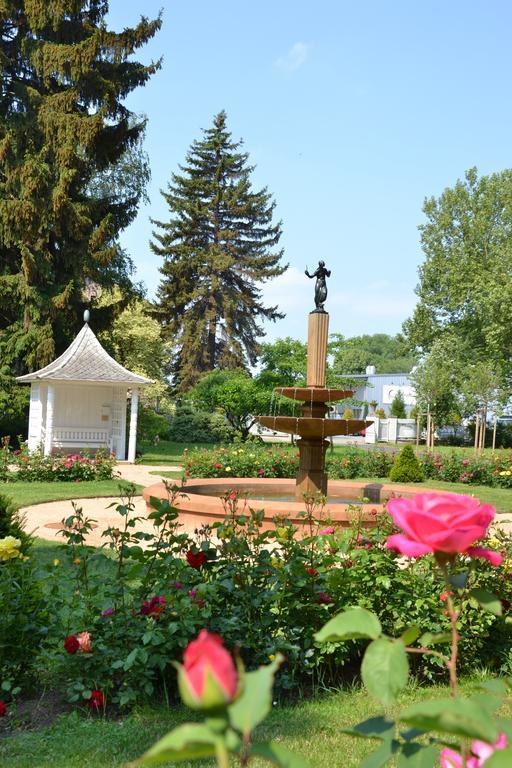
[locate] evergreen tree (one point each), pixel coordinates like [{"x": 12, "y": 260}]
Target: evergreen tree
[
  {"x": 397, "y": 408},
  {"x": 217, "y": 246},
  {"x": 62, "y": 127}
]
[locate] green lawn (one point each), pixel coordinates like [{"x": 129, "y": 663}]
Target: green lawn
[
  {"x": 310, "y": 728},
  {"x": 167, "y": 452},
  {"x": 26, "y": 493}
]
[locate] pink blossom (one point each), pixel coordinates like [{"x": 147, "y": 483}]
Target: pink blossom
[
  {"x": 441, "y": 522},
  {"x": 327, "y": 531},
  {"x": 480, "y": 753}
]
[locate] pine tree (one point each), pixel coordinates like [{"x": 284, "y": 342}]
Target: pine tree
[
  {"x": 217, "y": 246},
  {"x": 397, "y": 408},
  {"x": 62, "y": 127}
]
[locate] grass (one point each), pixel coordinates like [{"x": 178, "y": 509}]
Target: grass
[
  {"x": 309, "y": 728},
  {"x": 26, "y": 493},
  {"x": 167, "y": 452}
]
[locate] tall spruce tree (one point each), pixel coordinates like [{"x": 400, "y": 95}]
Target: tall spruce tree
[
  {"x": 217, "y": 247},
  {"x": 63, "y": 125}
]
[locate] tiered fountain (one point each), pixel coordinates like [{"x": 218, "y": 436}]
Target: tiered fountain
[
  {"x": 284, "y": 497},
  {"x": 312, "y": 427}
]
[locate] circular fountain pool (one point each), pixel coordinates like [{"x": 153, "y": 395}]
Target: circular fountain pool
[{"x": 203, "y": 503}]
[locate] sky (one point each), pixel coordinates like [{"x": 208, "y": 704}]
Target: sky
[{"x": 352, "y": 112}]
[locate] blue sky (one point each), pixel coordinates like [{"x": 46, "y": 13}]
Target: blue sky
[{"x": 352, "y": 112}]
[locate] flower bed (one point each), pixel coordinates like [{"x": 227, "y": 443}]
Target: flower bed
[
  {"x": 73, "y": 467},
  {"x": 116, "y": 623},
  {"x": 278, "y": 461}
]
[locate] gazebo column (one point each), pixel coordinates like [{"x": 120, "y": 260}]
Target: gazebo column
[
  {"x": 48, "y": 438},
  {"x": 132, "y": 440}
]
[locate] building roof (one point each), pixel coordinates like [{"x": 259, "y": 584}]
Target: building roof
[{"x": 85, "y": 360}]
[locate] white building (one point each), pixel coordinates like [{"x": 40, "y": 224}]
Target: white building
[{"x": 79, "y": 400}]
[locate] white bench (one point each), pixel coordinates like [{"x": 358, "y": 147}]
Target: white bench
[{"x": 80, "y": 437}]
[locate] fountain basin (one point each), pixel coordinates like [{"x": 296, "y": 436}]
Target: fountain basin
[
  {"x": 311, "y": 427},
  {"x": 314, "y": 394},
  {"x": 203, "y": 503}
]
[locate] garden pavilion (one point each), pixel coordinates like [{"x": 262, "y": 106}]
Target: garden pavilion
[{"x": 79, "y": 400}]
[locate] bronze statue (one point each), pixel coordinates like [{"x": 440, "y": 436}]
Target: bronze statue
[{"x": 320, "y": 286}]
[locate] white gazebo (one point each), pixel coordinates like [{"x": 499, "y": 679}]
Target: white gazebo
[{"x": 79, "y": 400}]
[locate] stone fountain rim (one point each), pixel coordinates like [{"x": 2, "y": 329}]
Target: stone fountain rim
[{"x": 210, "y": 507}]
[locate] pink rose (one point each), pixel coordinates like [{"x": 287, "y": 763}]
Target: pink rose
[
  {"x": 480, "y": 753},
  {"x": 208, "y": 678},
  {"x": 326, "y": 531},
  {"x": 441, "y": 522}
]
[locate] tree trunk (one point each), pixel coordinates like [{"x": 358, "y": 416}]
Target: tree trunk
[
  {"x": 494, "y": 434},
  {"x": 477, "y": 430}
]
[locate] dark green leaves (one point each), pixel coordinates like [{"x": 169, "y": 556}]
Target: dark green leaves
[
  {"x": 385, "y": 669},
  {"x": 486, "y": 600},
  {"x": 460, "y": 717},
  {"x": 256, "y": 700},
  {"x": 352, "y": 624}
]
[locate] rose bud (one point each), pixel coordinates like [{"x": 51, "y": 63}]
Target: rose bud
[
  {"x": 208, "y": 677},
  {"x": 71, "y": 644}
]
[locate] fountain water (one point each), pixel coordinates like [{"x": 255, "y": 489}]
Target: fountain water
[{"x": 313, "y": 427}]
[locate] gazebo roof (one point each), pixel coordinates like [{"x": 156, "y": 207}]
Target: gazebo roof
[{"x": 85, "y": 360}]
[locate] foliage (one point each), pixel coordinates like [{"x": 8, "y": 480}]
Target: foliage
[
  {"x": 406, "y": 467},
  {"x": 397, "y": 407},
  {"x": 348, "y": 413},
  {"x": 73, "y": 467},
  {"x": 462, "y": 726},
  {"x": 217, "y": 249},
  {"x": 281, "y": 461},
  {"x": 234, "y": 393},
  {"x": 389, "y": 354},
  {"x": 11, "y": 522},
  {"x": 135, "y": 340},
  {"x": 466, "y": 278},
  {"x": 263, "y": 591},
  {"x": 63, "y": 126},
  {"x": 437, "y": 382},
  {"x": 151, "y": 425},
  {"x": 191, "y": 425},
  {"x": 24, "y": 617},
  {"x": 283, "y": 363}
]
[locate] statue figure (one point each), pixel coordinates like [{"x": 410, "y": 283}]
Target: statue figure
[{"x": 320, "y": 286}]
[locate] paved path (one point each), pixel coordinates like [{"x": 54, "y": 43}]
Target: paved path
[{"x": 39, "y": 516}]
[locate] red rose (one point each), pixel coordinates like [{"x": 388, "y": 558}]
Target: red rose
[
  {"x": 96, "y": 700},
  {"x": 72, "y": 644},
  {"x": 208, "y": 678},
  {"x": 196, "y": 559},
  {"x": 3, "y": 708},
  {"x": 153, "y": 607},
  {"x": 323, "y": 598},
  {"x": 312, "y": 571}
]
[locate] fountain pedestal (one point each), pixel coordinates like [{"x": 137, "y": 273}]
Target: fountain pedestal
[{"x": 312, "y": 426}]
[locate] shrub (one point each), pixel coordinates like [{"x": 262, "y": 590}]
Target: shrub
[
  {"x": 263, "y": 591},
  {"x": 190, "y": 425},
  {"x": 150, "y": 424},
  {"x": 73, "y": 467},
  {"x": 348, "y": 413},
  {"x": 397, "y": 408},
  {"x": 406, "y": 467},
  {"x": 24, "y": 619},
  {"x": 11, "y": 522}
]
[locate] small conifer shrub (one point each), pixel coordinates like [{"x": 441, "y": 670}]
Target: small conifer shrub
[{"x": 406, "y": 467}]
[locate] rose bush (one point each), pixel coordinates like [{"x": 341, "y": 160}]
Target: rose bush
[{"x": 73, "y": 467}]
